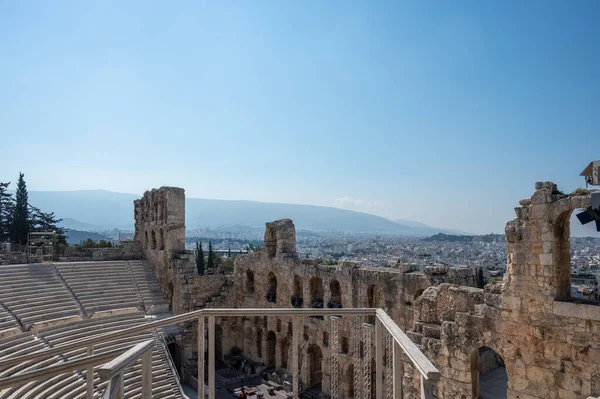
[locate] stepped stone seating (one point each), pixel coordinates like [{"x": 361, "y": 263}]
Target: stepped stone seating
[
  {"x": 100, "y": 285},
  {"x": 42, "y": 306},
  {"x": 152, "y": 296},
  {"x": 35, "y": 293},
  {"x": 164, "y": 382}
]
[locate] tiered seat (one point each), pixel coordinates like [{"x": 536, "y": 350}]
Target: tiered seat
[
  {"x": 6, "y": 320},
  {"x": 34, "y": 293},
  {"x": 164, "y": 383},
  {"x": 153, "y": 298},
  {"x": 100, "y": 285}
]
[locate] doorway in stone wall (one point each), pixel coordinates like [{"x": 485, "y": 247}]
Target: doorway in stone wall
[
  {"x": 488, "y": 374},
  {"x": 315, "y": 365},
  {"x": 271, "y": 348}
]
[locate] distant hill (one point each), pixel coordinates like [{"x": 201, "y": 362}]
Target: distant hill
[
  {"x": 100, "y": 210},
  {"x": 77, "y": 236},
  {"x": 441, "y": 237}
]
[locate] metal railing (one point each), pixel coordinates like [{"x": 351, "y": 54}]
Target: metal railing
[{"x": 387, "y": 337}]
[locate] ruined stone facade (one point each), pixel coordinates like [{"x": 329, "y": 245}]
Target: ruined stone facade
[{"x": 549, "y": 344}]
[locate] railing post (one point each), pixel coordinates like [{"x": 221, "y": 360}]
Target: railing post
[
  {"x": 89, "y": 375},
  {"x": 201, "y": 350},
  {"x": 368, "y": 343},
  {"x": 147, "y": 376},
  {"x": 398, "y": 370},
  {"x": 356, "y": 357},
  {"x": 295, "y": 370},
  {"x": 426, "y": 388},
  {"x": 334, "y": 358},
  {"x": 211, "y": 357},
  {"x": 121, "y": 386},
  {"x": 378, "y": 359}
]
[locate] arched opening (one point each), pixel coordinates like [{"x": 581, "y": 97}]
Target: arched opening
[
  {"x": 176, "y": 355},
  {"x": 350, "y": 381},
  {"x": 344, "y": 347},
  {"x": 249, "y": 282},
  {"x": 153, "y": 239},
  {"x": 574, "y": 277},
  {"x": 145, "y": 239},
  {"x": 285, "y": 347},
  {"x": 315, "y": 365},
  {"x": 297, "y": 300},
  {"x": 373, "y": 301},
  {"x": 271, "y": 350},
  {"x": 271, "y": 288},
  {"x": 161, "y": 239},
  {"x": 488, "y": 374},
  {"x": 259, "y": 343},
  {"x": 336, "y": 294},
  {"x": 317, "y": 292},
  {"x": 218, "y": 342},
  {"x": 270, "y": 241}
]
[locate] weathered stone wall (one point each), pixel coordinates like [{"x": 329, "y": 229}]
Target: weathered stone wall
[{"x": 549, "y": 343}]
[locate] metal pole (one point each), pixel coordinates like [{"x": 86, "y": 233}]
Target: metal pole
[
  {"x": 201, "y": 350},
  {"x": 89, "y": 375},
  {"x": 211, "y": 357},
  {"x": 295, "y": 370},
  {"x": 378, "y": 359},
  {"x": 147, "y": 376},
  {"x": 398, "y": 370}
]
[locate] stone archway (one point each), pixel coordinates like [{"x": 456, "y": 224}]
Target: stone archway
[
  {"x": 317, "y": 292},
  {"x": 270, "y": 241},
  {"x": 249, "y": 282},
  {"x": 153, "y": 235},
  {"x": 336, "y": 294},
  {"x": 272, "y": 288},
  {"x": 271, "y": 340},
  {"x": 315, "y": 365},
  {"x": 489, "y": 379}
]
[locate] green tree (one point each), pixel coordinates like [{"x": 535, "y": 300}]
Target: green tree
[
  {"x": 6, "y": 210},
  {"x": 210, "y": 262},
  {"x": 19, "y": 227},
  {"x": 199, "y": 258},
  {"x": 45, "y": 222},
  {"x": 480, "y": 279}
]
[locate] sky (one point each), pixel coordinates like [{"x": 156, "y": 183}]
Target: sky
[{"x": 441, "y": 112}]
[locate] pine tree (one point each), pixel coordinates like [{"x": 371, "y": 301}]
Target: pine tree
[
  {"x": 210, "y": 263},
  {"x": 45, "y": 222},
  {"x": 199, "y": 258},
  {"x": 480, "y": 279},
  {"x": 19, "y": 227},
  {"x": 6, "y": 206}
]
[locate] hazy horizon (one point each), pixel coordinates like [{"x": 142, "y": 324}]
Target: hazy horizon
[{"x": 441, "y": 113}]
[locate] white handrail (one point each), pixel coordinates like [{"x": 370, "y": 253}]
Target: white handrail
[{"x": 114, "y": 370}]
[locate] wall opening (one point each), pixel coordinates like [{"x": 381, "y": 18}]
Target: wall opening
[
  {"x": 574, "y": 277},
  {"x": 161, "y": 237},
  {"x": 249, "y": 282},
  {"x": 336, "y": 294},
  {"x": 315, "y": 365},
  {"x": 271, "y": 350},
  {"x": 489, "y": 379},
  {"x": 176, "y": 355},
  {"x": 145, "y": 239},
  {"x": 344, "y": 345},
  {"x": 350, "y": 381},
  {"x": 270, "y": 242},
  {"x": 271, "y": 288},
  {"x": 259, "y": 351},
  {"x": 297, "y": 299},
  {"x": 218, "y": 342},
  {"x": 153, "y": 245},
  {"x": 373, "y": 301},
  {"x": 317, "y": 292}
]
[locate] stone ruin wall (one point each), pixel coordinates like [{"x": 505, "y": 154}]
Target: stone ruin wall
[{"x": 550, "y": 344}]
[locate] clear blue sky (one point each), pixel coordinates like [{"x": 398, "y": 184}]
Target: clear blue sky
[{"x": 441, "y": 112}]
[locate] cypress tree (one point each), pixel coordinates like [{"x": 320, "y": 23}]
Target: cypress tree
[
  {"x": 19, "y": 228},
  {"x": 210, "y": 263},
  {"x": 6, "y": 205},
  {"x": 199, "y": 258},
  {"x": 480, "y": 278}
]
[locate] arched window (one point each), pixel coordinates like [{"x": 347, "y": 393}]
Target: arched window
[
  {"x": 161, "y": 241},
  {"x": 344, "y": 347},
  {"x": 272, "y": 288},
  {"x": 297, "y": 299},
  {"x": 145, "y": 239},
  {"x": 488, "y": 374},
  {"x": 316, "y": 292},
  {"x": 271, "y": 348},
  {"x": 153, "y": 240},
  {"x": 315, "y": 365},
  {"x": 373, "y": 301},
  {"x": 249, "y": 282},
  {"x": 336, "y": 294}
]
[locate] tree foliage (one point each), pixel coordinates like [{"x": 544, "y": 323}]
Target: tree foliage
[
  {"x": 199, "y": 258},
  {"x": 20, "y": 223},
  {"x": 6, "y": 205},
  {"x": 481, "y": 281},
  {"x": 210, "y": 262}
]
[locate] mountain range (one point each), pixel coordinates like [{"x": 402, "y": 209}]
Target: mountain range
[{"x": 98, "y": 210}]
